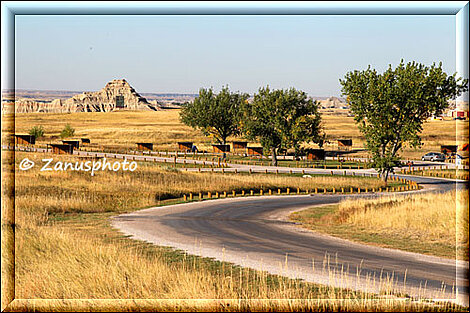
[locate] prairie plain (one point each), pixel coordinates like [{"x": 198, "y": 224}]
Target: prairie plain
[{"x": 122, "y": 129}]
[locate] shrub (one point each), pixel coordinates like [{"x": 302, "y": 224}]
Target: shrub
[
  {"x": 68, "y": 131},
  {"x": 37, "y": 131}
]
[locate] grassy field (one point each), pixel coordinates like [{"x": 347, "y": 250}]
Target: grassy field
[
  {"x": 163, "y": 128},
  {"x": 66, "y": 249},
  {"x": 148, "y": 185},
  {"x": 425, "y": 223}
]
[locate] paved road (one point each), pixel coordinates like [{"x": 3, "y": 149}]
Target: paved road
[{"x": 253, "y": 232}]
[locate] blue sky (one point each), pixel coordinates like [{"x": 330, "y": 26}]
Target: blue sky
[{"x": 183, "y": 53}]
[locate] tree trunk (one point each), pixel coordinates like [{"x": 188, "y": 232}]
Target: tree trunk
[
  {"x": 385, "y": 175},
  {"x": 224, "y": 155},
  {"x": 274, "y": 156}
]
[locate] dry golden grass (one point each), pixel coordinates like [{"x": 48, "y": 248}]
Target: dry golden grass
[
  {"x": 65, "y": 249},
  {"x": 435, "y": 133},
  {"x": 427, "y": 217},
  {"x": 72, "y": 191},
  {"x": 163, "y": 128},
  {"x": 425, "y": 223}
]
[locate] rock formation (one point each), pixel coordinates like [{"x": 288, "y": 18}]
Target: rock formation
[
  {"x": 333, "y": 102},
  {"x": 104, "y": 100}
]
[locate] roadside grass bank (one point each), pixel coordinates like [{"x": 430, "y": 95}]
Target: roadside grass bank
[
  {"x": 150, "y": 184},
  {"x": 450, "y": 173},
  {"x": 66, "y": 249},
  {"x": 431, "y": 223}
]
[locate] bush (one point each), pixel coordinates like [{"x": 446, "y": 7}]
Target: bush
[
  {"x": 37, "y": 131},
  {"x": 68, "y": 131}
]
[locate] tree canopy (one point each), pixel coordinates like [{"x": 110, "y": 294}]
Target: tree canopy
[
  {"x": 215, "y": 115},
  {"x": 390, "y": 108},
  {"x": 281, "y": 119}
]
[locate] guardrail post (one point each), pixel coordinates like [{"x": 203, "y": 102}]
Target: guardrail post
[
  {"x": 316, "y": 190},
  {"x": 233, "y": 193}
]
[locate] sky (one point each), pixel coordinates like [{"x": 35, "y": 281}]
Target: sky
[{"x": 180, "y": 54}]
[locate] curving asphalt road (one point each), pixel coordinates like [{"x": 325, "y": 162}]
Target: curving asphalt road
[{"x": 253, "y": 232}]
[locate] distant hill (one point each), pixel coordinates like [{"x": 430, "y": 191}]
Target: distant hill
[
  {"x": 105, "y": 99},
  {"x": 117, "y": 94}
]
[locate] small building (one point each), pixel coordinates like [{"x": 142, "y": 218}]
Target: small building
[
  {"x": 449, "y": 149},
  {"x": 61, "y": 148},
  {"x": 462, "y": 156},
  {"x": 144, "y": 146},
  {"x": 255, "y": 151},
  {"x": 74, "y": 143},
  {"x": 315, "y": 154},
  {"x": 25, "y": 140},
  {"x": 344, "y": 143},
  {"x": 458, "y": 113},
  {"x": 85, "y": 141},
  {"x": 239, "y": 145},
  {"x": 221, "y": 148},
  {"x": 185, "y": 146},
  {"x": 464, "y": 147}
]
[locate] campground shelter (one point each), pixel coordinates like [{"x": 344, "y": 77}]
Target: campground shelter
[
  {"x": 61, "y": 148},
  {"x": 448, "y": 149},
  {"x": 185, "y": 146},
  {"x": 74, "y": 143},
  {"x": 25, "y": 140},
  {"x": 144, "y": 146},
  {"x": 255, "y": 151},
  {"x": 315, "y": 154},
  {"x": 221, "y": 148},
  {"x": 239, "y": 145},
  {"x": 344, "y": 143}
]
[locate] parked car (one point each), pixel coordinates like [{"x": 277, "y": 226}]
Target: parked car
[{"x": 434, "y": 156}]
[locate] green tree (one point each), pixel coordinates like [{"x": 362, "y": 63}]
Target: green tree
[
  {"x": 215, "y": 115},
  {"x": 37, "y": 131},
  {"x": 390, "y": 108},
  {"x": 282, "y": 119},
  {"x": 68, "y": 131}
]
